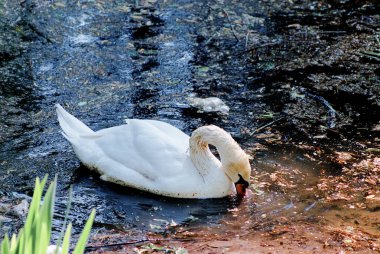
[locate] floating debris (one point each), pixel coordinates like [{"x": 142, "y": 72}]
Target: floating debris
[{"x": 210, "y": 104}]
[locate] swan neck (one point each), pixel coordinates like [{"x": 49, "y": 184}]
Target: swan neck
[{"x": 229, "y": 151}]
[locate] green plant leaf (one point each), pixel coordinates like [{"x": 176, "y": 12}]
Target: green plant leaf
[
  {"x": 30, "y": 224},
  {"x": 66, "y": 240},
  {"x": 62, "y": 234},
  {"x": 34, "y": 238},
  {"x": 81, "y": 244},
  {"x": 33, "y": 207},
  {"x": 20, "y": 241},
  {"x": 5, "y": 248},
  {"x": 35, "y": 233},
  {"x": 46, "y": 218},
  {"x": 13, "y": 243}
]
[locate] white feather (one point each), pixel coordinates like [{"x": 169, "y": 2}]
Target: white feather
[{"x": 155, "y": 156}]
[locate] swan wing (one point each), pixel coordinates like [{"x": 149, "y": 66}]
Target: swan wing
[
  {"x": 141, "y": 150},
  {"x": 144, "y": 154}
]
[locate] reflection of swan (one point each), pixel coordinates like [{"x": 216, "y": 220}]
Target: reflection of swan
[{"x": 157, "y": 157}]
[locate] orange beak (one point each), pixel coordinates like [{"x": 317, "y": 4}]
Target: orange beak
[
  {"x": 240, "y": 189},
  {"x": 241, "y": 186}
]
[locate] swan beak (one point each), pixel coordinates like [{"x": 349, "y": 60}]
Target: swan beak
[
  {"x": 240, "y": 189},
  {"x": 241, "y": 186}
]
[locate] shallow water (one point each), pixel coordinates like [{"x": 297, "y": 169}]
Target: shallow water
[
  {"x": 125, "y": 209},
  {"x": 106, "y": 61}
]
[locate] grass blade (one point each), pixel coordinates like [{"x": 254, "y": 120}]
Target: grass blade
[
  {"x": 81, "y": 244},
  {"x": 62, "y": 235},
  {"x": 66, "y": 240},
  {"x": 30, "y": 226},
  {"x": 46, "y": 218},
  {"x": 20, "y": 242},
  {"x": 13, "y": 244},
  {"x": 5, "y": 248},
  {"x": 34, "y": 238}
]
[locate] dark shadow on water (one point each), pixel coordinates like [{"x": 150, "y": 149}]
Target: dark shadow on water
[{"x": 125, "y": 208}]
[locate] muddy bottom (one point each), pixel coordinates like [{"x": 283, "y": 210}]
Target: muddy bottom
[{"x": 281, "y": 214}]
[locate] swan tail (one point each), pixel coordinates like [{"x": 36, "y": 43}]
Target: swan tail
[{"x": 71, "y": 126}]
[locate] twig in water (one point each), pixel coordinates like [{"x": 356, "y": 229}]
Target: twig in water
[
  {"x": 259, "y": 46},
  {"x": 371, "y": 54},
  {"x": 38, "y": 32},
  {"x": 246, "y": 40},
  {"x": 90, "y": 248},
  {"x": 266, "y": 125},
  {"x": 231, "y": 26},
  {"x": 228, "y": 18},
  {"x": 212, "y": 37},
  {"x": 331, "y": 120}
]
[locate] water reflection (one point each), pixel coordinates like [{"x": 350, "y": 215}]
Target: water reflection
[
  {"x": 289, "y": 195},
  {"x": 125, "y": 208}
]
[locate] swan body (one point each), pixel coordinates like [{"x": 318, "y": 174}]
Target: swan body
[{"x": 159, "y": 158}]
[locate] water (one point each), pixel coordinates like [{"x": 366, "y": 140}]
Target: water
[
  {"x": 125, "y": 208},
  {"x": 106, "y": 61}
]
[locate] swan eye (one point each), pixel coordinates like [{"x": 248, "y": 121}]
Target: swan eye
[{"x": 242, "y": 181}]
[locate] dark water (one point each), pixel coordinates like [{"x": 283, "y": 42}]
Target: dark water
[
  {"x": 126, "y": 208},
  {"x": 106, "y": 61}
]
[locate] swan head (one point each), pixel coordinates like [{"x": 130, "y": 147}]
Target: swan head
[
  {"x": 239, "y": 172},
  {"x": 233, "y": 160}
]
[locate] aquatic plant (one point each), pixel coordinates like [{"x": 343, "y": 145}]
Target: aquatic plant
[{"x": 34, "y": 237}]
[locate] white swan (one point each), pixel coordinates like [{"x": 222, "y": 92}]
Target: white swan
[{"x": 157, "y": 157}]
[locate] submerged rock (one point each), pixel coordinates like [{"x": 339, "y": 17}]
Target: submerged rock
[{"x": 13, "y": 210}]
